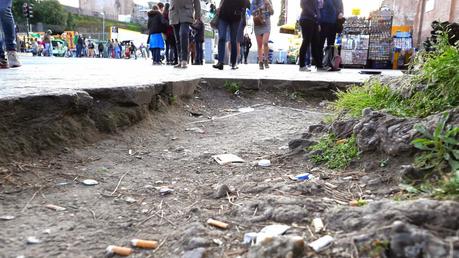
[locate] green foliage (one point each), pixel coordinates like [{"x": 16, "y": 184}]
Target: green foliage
[
  {"x": 232, "y": 87},
  {"x": 94, "y": 23},
  {"x": 439, "y": 149},
  {"x": 50, "y": 12},
  {"x": 436, "y": 72},
  {"x": 70, "y": 22},
  {"x": 373, "y": 94},
  {"x": 335, "y": 153}
]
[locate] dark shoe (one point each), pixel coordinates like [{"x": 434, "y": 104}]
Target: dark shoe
[
  {"x": 218, "y": 66},
  {"x": 245, "y": 62},
  {"x": 261, "y": 65},
  {"x": 178, "y": 65},
  {"x": 234, "y": 67},
  {"x": 3, "y": 63}
]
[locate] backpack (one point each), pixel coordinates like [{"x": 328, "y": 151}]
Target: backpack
[{"x": 332, "y": 59}]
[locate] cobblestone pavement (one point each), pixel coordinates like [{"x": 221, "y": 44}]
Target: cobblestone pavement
[{"x": 41, "y": 75}]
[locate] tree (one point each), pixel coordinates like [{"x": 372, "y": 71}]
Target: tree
[
  {"x": 282, "y": 17},
  {"x": 50, "y": 12},
  {"x": 70, "y": 22}
]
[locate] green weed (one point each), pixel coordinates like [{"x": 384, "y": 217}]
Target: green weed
[
  {"x": 232, "y": 87},
  {"x": 335, "y": 153},
  {"x": 440, "y": 150},
  {"x": 433, "y": 87}
]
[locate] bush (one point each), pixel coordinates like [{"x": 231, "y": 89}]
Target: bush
[
  {"x": 232, "y": 87},
  {"x": 334, "y": 153}
]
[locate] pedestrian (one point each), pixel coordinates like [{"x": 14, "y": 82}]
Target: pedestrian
[
  {"x": 171, "y": 48},
  {"x": 309, "y": 22},
  {"x": 156, "y": 26},
  {"x": 230, "y": 15},
  {"x": 182, "y": 15},
  {"x": 142, "y": 50},
  {"x": 241, "y": 30},
  {"x": 331, "y": 11},
  {"x": 161, "y": 7},
  {"x": 91, "y": 49},
  {"x": 262, "y": 10},
  {"x": 192, "y": 46},
  {"x": 100, "y": 48},
  {"x": 117, "y": 49},
  {"x": 245, "y": 45},
  {"x": 127, "y": 51},
  {"x": 110, "y": 48},
  {"x": 133, "y": 50},
  {"x": 35, "y": 47},
  {"x": 11, "y": 59},
  {"x": 48, "y": 51},
  {"x": 198, "y": 27}
]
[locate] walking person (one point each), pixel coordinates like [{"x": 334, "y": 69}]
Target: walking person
[
  {"x": 9, "y": 36},
  {"x": 245, "y": 45},
  {"x": 309, "y": 22},
  {"x": 91, "y": 49},
  {"x": 241, "y": 30},
  {"x": 262, "y": 10},
  {"x": 331, "y": 11},
  {"x": 156, "y": 26},
  {"x": 230, "y": 15},
  {"x": 198, "y": 26},
  {"x": 48, "y": 51},
  {"x": 117, "y": 49},
  {"x": 182, "y": 15},
  {"x": 171, "y": 50},
  {"x": 100, "y": 48}
]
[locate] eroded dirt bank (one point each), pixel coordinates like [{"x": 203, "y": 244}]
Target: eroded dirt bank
[{"x": 173, "y": 148}]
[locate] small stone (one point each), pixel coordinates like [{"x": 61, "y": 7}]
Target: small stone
[
  {"x": 165, "y": 191},
  {"x": 7, "y": 217},
  {"x": 217, "y": 242},
  {"x": 33, "y": 240},
  {"x": 222, "y": 191},
  {"x": 130, "y": 200},
  {"x": 90, "y": 182},
  {"x": 264, "y": 163},
  {"x": 47, "y": 231}
]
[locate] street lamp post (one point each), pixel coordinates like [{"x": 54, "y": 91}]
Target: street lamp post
[{"x": 103, "y": 26}]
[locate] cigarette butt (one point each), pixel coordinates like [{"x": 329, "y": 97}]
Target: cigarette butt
[
  {"x": 122, "y": 251},
  {"x": 144, "y": 243},
  {"x": 217, "y": 223},
  {"x": 55, "y": 207}
]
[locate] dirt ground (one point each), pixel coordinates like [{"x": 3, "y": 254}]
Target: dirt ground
[{"x": 168, "y": 150}]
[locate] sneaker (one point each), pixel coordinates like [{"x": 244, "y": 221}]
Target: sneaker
[
  {"x": 261, "y": 65},
  {"x": 304, "y": 69},
  {"x": 13, "y": 60},
  {"x": 218, "y": 66},
  {"x": 184, "y": 65},
  {"x": 179, "y": 65},
  {"x": 266, "y": 64}
]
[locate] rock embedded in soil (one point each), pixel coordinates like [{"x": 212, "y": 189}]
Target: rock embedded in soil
[
  {"x": 222, "y": 191},
  {"x": 196, "y": 253},
  {"x": 418, "y": 228},
  {"x": 274, "y": 247}
]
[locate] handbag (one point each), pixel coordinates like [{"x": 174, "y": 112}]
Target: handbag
[{"x": 259, "y": 18}]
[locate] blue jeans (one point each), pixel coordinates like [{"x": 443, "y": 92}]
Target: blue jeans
[
  {"x": 7, "y": 22},
  {"x": 182, "y": 35},
  {"x": 156, "y": 53},
  {"x": 199, "y": 52},
  {"x": 222, "y": 28}
]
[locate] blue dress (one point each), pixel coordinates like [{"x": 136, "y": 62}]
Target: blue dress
[{"x": 156, "y": 41}]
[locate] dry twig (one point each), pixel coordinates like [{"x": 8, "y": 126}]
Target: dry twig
[
  {"x": 31, "y": 199},
  {"x": 119, "y": 182}
]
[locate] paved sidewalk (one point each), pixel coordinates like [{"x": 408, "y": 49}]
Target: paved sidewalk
[{"x": 41, "y": 75}]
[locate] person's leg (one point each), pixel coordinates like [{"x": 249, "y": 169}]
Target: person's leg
[
  {"x": 316, "y": 46},
  {"x": 222, "y": 28},
  {"x": 7, "y": 22},
  {"x": 3, "y": 61},
  {"x": 260, "y": 50},
  {"x": 168, "y": 49},
  {"x": 177, "y": 41},
  {"x": 184, "y": 40},
  {"x": 246, "y": 54},
  {"x": 233, "y": 34},
  {"x": 306, "y": 31},
  {"x": 266, "y": 49},
  {"x": 331, "y": 34}
]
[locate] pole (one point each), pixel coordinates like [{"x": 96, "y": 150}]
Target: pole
[{"x": 103, "y": 27}]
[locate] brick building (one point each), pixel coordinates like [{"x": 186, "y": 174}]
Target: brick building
[{"x": 421, "y": 13}]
